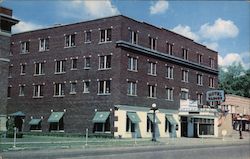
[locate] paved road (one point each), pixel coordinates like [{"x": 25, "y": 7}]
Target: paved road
[{"x": 198, "y": 152}]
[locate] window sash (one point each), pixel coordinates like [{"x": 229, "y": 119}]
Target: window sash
[
  {"x": 86, "y": 87},
  {"x": 74, "y": 64},
  {"x": 60, "y": 66},
  {"x": 184, "y": 95},
  {"x": 133, "y": 37},
  {"x": 21, "y": 90},
  {"x": 105, "y": 35},
  {"x": 23, "y": 69},
  {"x": 87, "y": 62},
  {"x": 44, "y": 44},
  {"x": 88, "y": 36},
  {"x": 39, "y": 68},
  {"x": 73, "y": 87},
  {"x": 152, "y": 91},
  {"x": 38, "y": 91},
  {"x": 59, "y": 89},
  {"x": 170, "y": 72},
  {"x": 105, "y": 62},
  {"x": 25, "y": 47},
  {"x": 132, "y": 64},
  {"x": 132, "y": 88},
  {"x": 169, "y": 94},
  {"x": 184, "y": 76},
  {"x": 169, "y": 48},
  {"x": 70, "y": 40},
  {"x": 199, "y": 79},
  {"x": 104, "y": 87}
]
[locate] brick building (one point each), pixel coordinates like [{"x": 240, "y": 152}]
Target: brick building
[{"x": 97, "y": 74}]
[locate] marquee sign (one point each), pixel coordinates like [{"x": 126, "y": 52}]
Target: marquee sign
[{"x": 215, "y": 96}]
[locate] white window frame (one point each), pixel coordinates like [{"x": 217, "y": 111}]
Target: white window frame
[
  {"x": 212, "y": 63},
  {"x": 170, "y": 72},
  {"x": 61, "y": 90},
  {"x": 21, "y": 90},
  {"x": 85, "y": 37},
  {"x": 69, "y": 37},
  {"x": 186, "y": 91},
  {"x": 40, "y": 66},
  {"x": 85, "y": 63},
  {"x": 44, "y": 44},
  {"x": 22, "y": 69},
  {"x": 152, "y": 42},
  {"x": 170, "y": 48},
  {"x": 72, "y": 63},
  {"x": 152, "y": 91},
  {"x": 25, "y": 47},
  {"x": 200, "y": 98},
  {"x": 132, "y": 88},
  {"x": 184, "y": 76},
  {"x": 73, "y": 87},
  {"x": 134, "y": 37},
  {"x": 105, "y": 40},
  {"x": 211, "y": 82},
  {"x": 85, "y": 88},
  {"x": 105, "y": 66},
  {"x": 37, "y": 91},
  {"x": 152, "y": 68},
  {"x": 200, "y": 79},
  {"x": 62, "y": 66},
  {"x": 132, "y": 64},
  {"x": 199, "y": 58},
  {"x": 185, "y": 53},
  {"x": 106, "y": 91},
  {"x": 170, "y": 94}
]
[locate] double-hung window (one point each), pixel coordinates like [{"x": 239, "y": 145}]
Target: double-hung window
[
  {"x": 169, "y": 49},
  {"x": 169, "y": 94},
  {"x": 152, "y": 68},
  {"x": 60, "y": 66},
  {"x": 59, "y": 89},
  {"x": 211, "y": 61},
  {"x": 87, "y": 36},
  {"x": 151, "y": 91},
  {"x": 184, "y": 54},
  {"x": 86, "y": 85},
  {"x": 132, "y": 88},
  {"x": 74, "y": 64},
  {"x": 44, "y": 44},
  {"x": 70, "y": 40},
  {"x": 38, "y": 91},
  {"x": 105, "y": 62},
  {"x": 10, "y": 71},
  {"x": 199, "y": 99},
  {"x": 72, "y": 87},
  {"x": 87, "y": 63},
  {"x": 104, "y": 87},
  {"x": 21, "y": 90},
  {"x": 199, "y": 79},
  {"x": 39, "y": 68},
  {"x": 199, "y": 58},
  {"x": 105, "y": 35},
  {"x": 169, "y": 72},
  {"x": 133, "y": 37},
  {"x": 211, "y": 82},
  {"x": 152, "y": 43},
  {"x": 184, "y": 76},
  {"x": 22, "y": 69},
  {"x": 25, "y": 47},
  {"x": 132, "y": 64}
]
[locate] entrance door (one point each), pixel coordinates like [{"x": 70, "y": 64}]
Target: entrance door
[
  {"x": 195, "y": 130},
  {"x": 184, "y": 127}
]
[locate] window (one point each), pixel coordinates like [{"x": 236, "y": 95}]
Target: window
[
  {"x": 23, "y": 69},
  {"x": 212, "y": 64},
  {"x": 60, "y": 66},
  {"x": 152, "y": 68},
  {"x": 9, "y": 92},
  {"x": 38, "y": 91},
  {"x": 132, "y": 64},
  {"x": 86, "y": 86},
  {"x": 59, "y": 89},
  {"x": 151, "y": 91},
  {"x": 132, "y": 88},
  {"x": 104, "y": 87},
  {"x": 104, "y": 62},
  {"x": 199, "y": 99},
  {"x": 169, "y": 94},
  {"x": 152, "y": 43},
  {"x": 74, "y": 64},
  {"x": 199, "y": 79},
  {"x": 169, "y": 72},
  {"x": 70, "y": 40},
  {"x": 169, "y": 49},
  {"x": 105, "y": 35},
  {"x": 102, "y": 127},
  {"x": 88, "y": 37},
  {"x": 21, "y": 90},
  {"x": 184, "y": 76},
  {"x": 87, "y": 63},
  {"x": 25, "y": 47},
  {"x": 184, "y": 94},
  {"x": 133, "y": 37},
  {"x": 10, "y": 71},
  {"x": 72, "y": 88},
  {"x": 149, "y": 125},
  {"x": 211, "y": 82},
  {"x": 39, "y": 68},
  {"x": 185, "y": 54},
  {"x": 130, "y": 127},
  {"x": 199, "y": 58},
  {"x": 44, "y": 44}
]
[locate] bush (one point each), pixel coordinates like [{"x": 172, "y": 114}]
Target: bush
[
  {"x": 11, "y": 135},
  {"x": 62, "y": 134}
]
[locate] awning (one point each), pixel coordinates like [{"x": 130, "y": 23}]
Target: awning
[
  {"x": 35, "y": 121},
  {"x": 133, "y": 117},
  {"x": 101, "y": 117},
  {"x": 171, "y": 120},
  {"x": 19, "y": 113},
  {"x": 151, "y": 118},
  {"x": 203, "y": 116},
  {"x": 55, "y": 117}
]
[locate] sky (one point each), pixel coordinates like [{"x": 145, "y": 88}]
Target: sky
[{"x": 223, "y": 26}]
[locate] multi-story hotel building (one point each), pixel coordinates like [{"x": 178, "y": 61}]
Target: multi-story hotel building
[{"x": 104, "y": 75}]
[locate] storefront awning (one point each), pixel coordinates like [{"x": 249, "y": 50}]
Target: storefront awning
[
  {"x": 203, "y": 116},
  {"x": 101, "y": 117},
  {"x": 55, "y": 117},
  {"x": 19, "y": 113},
  {"x": 171, "y": 120},
  {"x": 35, "y": 121},
  {"x": 151, "y": 118},
  {"x": 133, "y": 117}
]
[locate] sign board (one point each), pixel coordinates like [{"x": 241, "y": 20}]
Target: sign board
[{"x": 215, "y": 96}]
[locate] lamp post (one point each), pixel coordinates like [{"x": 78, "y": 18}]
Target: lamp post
[
  {"x": 240, "y": 128},
  {"x": 154, "y": 108}
]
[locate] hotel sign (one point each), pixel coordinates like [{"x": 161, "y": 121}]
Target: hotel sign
[{"x": 215, "y": 96}]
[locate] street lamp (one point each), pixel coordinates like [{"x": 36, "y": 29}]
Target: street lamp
[
  {"x": 240, "y": 128},
  {"x": 154, "y": 108}
]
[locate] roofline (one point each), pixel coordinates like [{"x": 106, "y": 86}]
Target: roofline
[{"x": 233, "y": 95}]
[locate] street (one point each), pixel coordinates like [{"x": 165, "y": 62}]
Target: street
[{"x": 202, "y": 152}]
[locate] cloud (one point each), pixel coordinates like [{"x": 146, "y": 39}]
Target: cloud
[
  {"x": 233, "y": 57},
  {"x": 219, "y": 30},
  {"x": 159, "y": 7},
  {"x": 186, "y": 31},
  {"x": 23, "y": 26},
  {"x": 211, "y": 45}
]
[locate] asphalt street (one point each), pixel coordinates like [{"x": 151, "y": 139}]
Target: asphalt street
[{"x": 198, "y": 152}]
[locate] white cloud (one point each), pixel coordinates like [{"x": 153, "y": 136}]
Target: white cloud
[
  {"x": 186, "y": 31},
  {"x": 219, "y": 30},
  {"x": 23, "y": 26},
  {"x": 159, "y": 7},
  {"x": 231, "y": 58},
  {"x": 211, "y": 45}
]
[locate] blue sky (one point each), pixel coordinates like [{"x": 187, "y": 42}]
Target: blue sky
[{"x": 223, "y": 26}]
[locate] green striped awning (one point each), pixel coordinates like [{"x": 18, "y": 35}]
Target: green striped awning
[
  {"x": 100, "y": 117},
  {"x": 55, "y": 117},
  {"x": 35, "y": 121},
  {"x": 171, "y": 120},
  {"x": 151, "y": 118},
  {"x": 133, "y": 117}
]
